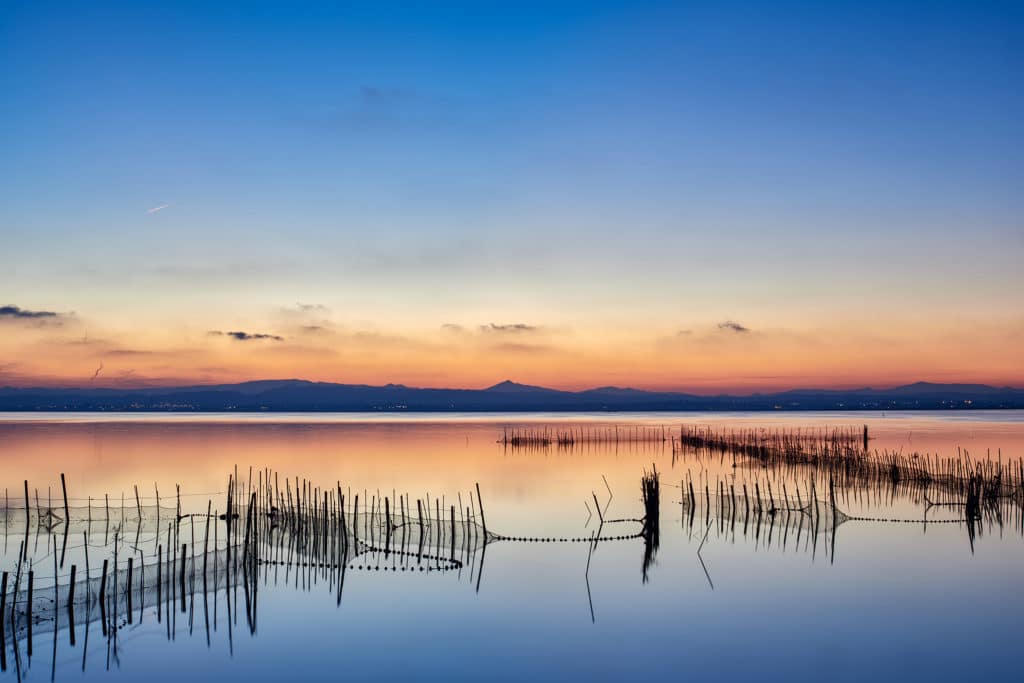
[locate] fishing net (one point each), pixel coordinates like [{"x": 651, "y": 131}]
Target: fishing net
[
  {"x": 124, "y": 591},
  {"x": 441, "y": 534},
  {"x": 815, "y": 516},
  {"x": 161, "y": 574},
  {"x": 86, "y": 518}
]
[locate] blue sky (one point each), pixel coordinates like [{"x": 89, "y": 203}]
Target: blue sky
[{"x": 578, "y": 164}]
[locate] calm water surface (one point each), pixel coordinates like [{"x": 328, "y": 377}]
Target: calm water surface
[{"x": 890, "y": 601}]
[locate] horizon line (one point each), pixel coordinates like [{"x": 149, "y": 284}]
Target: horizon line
[{"x": 694, "y": 392}]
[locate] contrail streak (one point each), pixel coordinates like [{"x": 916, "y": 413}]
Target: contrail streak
[{"x": 157, "y": 208}]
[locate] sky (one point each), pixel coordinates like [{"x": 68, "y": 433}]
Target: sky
[{"x": 703, "y": 196}]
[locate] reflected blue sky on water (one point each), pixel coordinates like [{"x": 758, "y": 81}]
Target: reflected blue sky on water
[{"x": 893, "y": 602}]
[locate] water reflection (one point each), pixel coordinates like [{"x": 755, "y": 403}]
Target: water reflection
[{"x": 272, "y": 561}]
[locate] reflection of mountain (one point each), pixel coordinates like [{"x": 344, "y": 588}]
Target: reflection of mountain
[{"x": 300, "y": 395}]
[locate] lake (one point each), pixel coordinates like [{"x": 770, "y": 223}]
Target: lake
[{"x": 721, "y": 592}]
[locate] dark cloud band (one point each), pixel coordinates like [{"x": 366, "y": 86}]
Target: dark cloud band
[
  {"x": 247, "y": 336},
  {"x": 733, "y": 326},
  {"x": 21, "y": 313}
]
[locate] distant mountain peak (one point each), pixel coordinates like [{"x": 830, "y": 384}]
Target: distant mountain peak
[
  {"x": 510, "y": 386},
  {"x": 616, "y": 390}
]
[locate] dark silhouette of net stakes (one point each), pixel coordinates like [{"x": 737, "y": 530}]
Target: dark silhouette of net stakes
[{"x": 154, "y": 558}]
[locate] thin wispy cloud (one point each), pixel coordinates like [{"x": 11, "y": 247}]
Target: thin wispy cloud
[
  {"x": 526, "y": 349},
  {"x": 305, "y": 319},
  {"x": 510, "y": 327},
  {"x": 160, "y": 207}
]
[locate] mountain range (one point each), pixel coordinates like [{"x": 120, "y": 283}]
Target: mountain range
[{"x": 302, "y": 395}]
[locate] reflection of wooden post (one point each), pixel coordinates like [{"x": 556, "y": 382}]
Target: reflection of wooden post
[
  {"x": 71, "y": 606},
  {"x": 28, "y": 611},
  {"x": 102, "y": 598},
  {"x": 71, "y": 587},
  {"x": 3, "y": 600},
  {"x": 17, "y": 587},
  {"x": 159, "y": 580},
  {"x": 181, "y": 578},
  {"x": 387, "y": 522},
  {"x": 832, "y": 495},
  {"x": 129, "y": 590},
  {"x": 206, "y": 541},
  {"x": 248, "y": 528}
]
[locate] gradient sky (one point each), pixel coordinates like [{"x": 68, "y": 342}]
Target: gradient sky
[{"x": 687, "y": 195}]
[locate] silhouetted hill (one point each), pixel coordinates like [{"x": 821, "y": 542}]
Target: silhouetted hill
[
  {"x": 510, "y": 387},
  {"x": 302, "y": 395}
]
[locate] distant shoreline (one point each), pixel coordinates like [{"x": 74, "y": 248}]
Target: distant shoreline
[
  {"x": 488, "y": 411},
  {"x": 269, "y": 396},
  {"x": 304, "y": 396}
]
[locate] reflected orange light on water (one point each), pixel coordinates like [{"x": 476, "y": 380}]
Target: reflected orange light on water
[{"x": 427, "y": 455}]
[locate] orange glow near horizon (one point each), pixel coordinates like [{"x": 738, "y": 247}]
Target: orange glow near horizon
[{"x": 708, "y": 359}]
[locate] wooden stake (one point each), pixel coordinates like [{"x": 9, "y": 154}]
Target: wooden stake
[
  {"x": 27, "y": 511},
  {"x": 64, "y": 490},
  {"x": 483, "y": 521}
]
